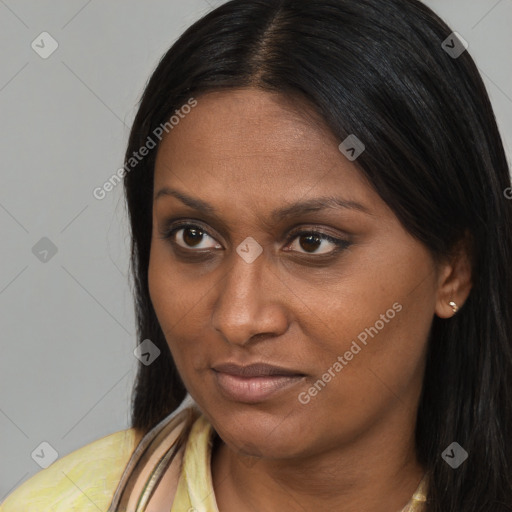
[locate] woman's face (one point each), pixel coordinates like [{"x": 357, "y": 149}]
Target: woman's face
[{"x": 270, "y": 271}]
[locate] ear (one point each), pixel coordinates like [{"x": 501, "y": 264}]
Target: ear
[{"x": 455, "y": 278}]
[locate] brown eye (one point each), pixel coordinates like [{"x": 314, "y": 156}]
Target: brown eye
[
  {"x": 310, "y": 241},
  {"x": 189, "y": 236},
  {"x": 192, "y": 236}
]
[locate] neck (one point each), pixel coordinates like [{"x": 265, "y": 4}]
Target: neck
[{"x": 377, "y": 473}]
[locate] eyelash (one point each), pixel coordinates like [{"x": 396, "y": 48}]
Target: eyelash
[{"x": 340, "y": 243}]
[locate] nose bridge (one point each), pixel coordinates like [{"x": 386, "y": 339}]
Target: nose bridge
[{"x": 245, "y": 305}]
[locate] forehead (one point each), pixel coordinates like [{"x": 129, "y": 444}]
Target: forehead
[{"x": 272, "y": 145}]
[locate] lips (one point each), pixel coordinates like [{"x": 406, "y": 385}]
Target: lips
[
  {"x": 255, "y": 370},
  {"x": 256, "y": 382}
]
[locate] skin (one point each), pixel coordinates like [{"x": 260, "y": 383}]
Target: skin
[{"x": 248, "y": 152}]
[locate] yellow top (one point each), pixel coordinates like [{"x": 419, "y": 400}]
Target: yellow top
[
  {"x": 83, "y": 480},
  {"x": 86, "y": 479}
]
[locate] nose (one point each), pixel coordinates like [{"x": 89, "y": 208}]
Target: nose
[{"x": 250, "y": 302}]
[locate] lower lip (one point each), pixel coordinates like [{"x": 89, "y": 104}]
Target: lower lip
[{"x": 254, "y": 389}]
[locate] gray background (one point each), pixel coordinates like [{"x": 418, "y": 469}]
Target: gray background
[{"x": 67, "y": 324}]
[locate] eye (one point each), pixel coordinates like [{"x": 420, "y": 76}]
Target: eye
[
  {"x": 191, "y": 236},
  {"x": 310, "y": 241}
]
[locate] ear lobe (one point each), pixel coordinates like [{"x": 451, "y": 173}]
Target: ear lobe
[{"x": 455, "y": 282}]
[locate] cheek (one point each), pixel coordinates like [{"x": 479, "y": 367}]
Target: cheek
[
  {"x": 363, "y": 375},
  {"x": 162, "y": 288},
  {"x": 172, "y": 296},
  {"x": 177, "y": 303},
  {"x": 369, "y": 344}
]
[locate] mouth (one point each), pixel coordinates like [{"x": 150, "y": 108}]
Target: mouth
[{"x": 254, "y": 383}]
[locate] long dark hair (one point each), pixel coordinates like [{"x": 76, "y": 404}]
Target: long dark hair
[{"x": 376, "y": 69}]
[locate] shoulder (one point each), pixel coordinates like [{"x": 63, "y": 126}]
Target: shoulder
[{"x": 84, "y": 480}]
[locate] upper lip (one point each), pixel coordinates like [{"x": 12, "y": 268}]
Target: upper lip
[{"x": 254, "y": 370}]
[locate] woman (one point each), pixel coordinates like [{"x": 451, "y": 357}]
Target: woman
[{"x": 320, "y": 248}]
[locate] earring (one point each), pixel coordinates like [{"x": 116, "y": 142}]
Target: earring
[{"x": 454, "y": 306}]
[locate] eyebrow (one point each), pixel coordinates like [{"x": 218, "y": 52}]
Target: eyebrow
[{"x": 278, "y": 214}]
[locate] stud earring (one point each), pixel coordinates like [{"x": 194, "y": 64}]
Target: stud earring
[{"x": 454, "y": 306}]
